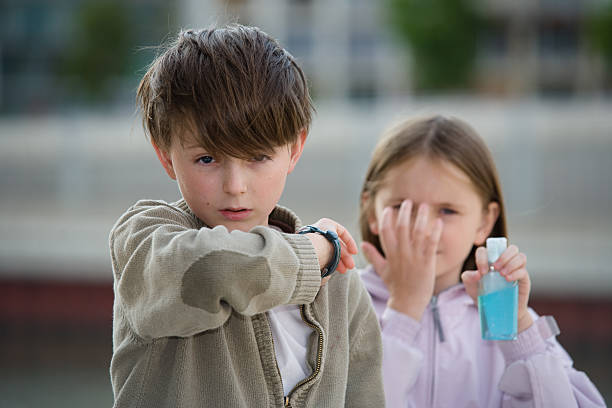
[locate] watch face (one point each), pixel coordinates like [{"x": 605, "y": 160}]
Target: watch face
[{"x": 332, "y": 234}]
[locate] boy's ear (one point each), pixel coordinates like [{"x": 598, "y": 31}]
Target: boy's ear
[
  {"x": 489, "y": 217},
  {"x": 165, "y": 160},
  {"x": 372, "y": 221},
  {"x": 296, "y": 149}
]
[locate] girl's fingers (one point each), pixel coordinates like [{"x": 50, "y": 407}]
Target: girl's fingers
[
  {"x": 470, "y": 282},
  {"x": 517, "y": 275},
  {"x": 386, "y": 231},
  {"x": 508, "y": 254},
  {"x": 420, "y": 225},
  {"x": 517, "y": 262},
  {"x": 434, "y": 239},
  {"x": 470, "y": 276},
  {"x": 373, "y": 257},
  {"x": 403, "y": 223},
  {"x": 482, "y": 263}
]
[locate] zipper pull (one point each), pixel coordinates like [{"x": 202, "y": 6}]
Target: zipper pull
[
  {"x": 287, "y": 404},
  {"x": 436, "y": 318}
]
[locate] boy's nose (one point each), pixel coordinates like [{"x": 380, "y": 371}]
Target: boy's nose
[{"x": 234, "y": 180}]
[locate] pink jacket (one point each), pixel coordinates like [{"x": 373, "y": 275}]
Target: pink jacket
[{"x": 442, "y": 361}]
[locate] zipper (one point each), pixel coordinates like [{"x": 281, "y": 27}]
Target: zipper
[
  {"x": 437, "y": 328},
  {"x": 319, "y": 355},
  {"x": 436, "y": 318}
]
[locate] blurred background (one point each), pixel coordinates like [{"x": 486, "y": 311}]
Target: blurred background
[{"x": 533, "y": 77}]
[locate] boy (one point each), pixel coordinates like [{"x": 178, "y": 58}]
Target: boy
[{"x": 218, "y": 302}]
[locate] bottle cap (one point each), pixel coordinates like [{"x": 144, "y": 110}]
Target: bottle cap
[{"x": 495, "y": 247}]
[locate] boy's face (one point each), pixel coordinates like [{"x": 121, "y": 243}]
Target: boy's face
[{"x": 238, "y": 194}]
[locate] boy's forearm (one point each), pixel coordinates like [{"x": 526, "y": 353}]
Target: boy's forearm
[{"x": 174, "y": 280}]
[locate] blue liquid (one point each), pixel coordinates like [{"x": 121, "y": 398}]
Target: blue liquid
[{"x": 499, "y": 314}]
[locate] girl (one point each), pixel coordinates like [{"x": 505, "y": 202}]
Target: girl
[{"x": 430, "y": 199}]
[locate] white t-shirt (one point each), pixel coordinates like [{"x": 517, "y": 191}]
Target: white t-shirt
[{"x": 290, "y": 335}]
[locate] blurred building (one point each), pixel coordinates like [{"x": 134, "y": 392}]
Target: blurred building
[
  {"x": 348, "y": 50},
  {"x": 72, "y": 54},
  {"x": 345, "y": 46},
  {"x": 532, "y": 47}
]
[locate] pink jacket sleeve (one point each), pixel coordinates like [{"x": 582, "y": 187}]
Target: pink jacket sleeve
[{"x": 539, "y": 372}]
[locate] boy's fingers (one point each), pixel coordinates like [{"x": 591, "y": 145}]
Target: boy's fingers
[
  {"x": 482, "y": 263},
  {"x": 508, "y": 254},
  {"x": 373, "y": 256},
  {"x": 346, "y": 257},
  {"x": 346, "y": 237}
]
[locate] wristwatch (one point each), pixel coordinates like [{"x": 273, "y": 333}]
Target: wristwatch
[{"x": 332, "y": 237}]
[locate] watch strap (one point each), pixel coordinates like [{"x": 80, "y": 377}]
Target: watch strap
[{"x": 332, "y": 237}]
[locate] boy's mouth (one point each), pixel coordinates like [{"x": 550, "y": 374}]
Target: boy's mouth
[{"x": 235, "y": 214}]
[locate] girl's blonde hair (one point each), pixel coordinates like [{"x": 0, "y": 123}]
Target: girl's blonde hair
[{"x": 435, "y": 137}]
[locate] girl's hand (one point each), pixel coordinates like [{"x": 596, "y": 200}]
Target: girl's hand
[
  {"x": 325, "y": 250},
  {"x": 409, "y": 269},
  {"x": 511, "y": 265}
]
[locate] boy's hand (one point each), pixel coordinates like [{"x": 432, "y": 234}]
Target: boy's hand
[
  {"x": 511, "y": 265},
  {"x": 409, "y": 269},
  {"x": 325, "y": 249}
]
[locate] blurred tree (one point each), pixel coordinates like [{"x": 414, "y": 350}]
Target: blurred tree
[
  {"x": 598, "y": 28},
  {"x": 441, "y": 35},
  {"x": 98, "y": 49}
]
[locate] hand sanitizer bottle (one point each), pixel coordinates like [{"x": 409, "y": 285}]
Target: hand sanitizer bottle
[{"x": 497, "y": 298}]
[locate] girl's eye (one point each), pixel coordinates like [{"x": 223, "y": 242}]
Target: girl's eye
[
  {"x": 206, "y": 159},
  {"x": 447, "y": 211}
]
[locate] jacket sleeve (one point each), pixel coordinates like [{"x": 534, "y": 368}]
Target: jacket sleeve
[
  {"x": 539, "y": 372},
  {"x": 174, "y": 279},
  {"x": 364, "y": 381},
  {"x": 398, "y": 335}
]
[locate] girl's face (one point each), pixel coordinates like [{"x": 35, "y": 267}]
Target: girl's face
[{"x": 452, "y": 197}]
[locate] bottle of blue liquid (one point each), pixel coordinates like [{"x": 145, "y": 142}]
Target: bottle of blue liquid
[{"x": 497, "y": 298}]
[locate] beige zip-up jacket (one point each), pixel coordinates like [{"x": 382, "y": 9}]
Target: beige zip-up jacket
[{"x": 190, "y": 327}]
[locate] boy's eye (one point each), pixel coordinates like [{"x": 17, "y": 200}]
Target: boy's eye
[
  {"x": 206, "y": 159},
  {"x": 260, "y": 158}
]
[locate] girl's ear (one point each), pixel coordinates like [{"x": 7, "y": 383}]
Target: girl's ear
[
  {"x": 367, "y": 206},
  {"x": 165, "y": 160},
  {"x": 296, "y": 150},
  {"x": 489, "y": 217}
]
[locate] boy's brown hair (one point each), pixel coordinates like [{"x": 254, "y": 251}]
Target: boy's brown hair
[
  {"x": 436, "y": 137},
  {"x": 234, "y": 89}
]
